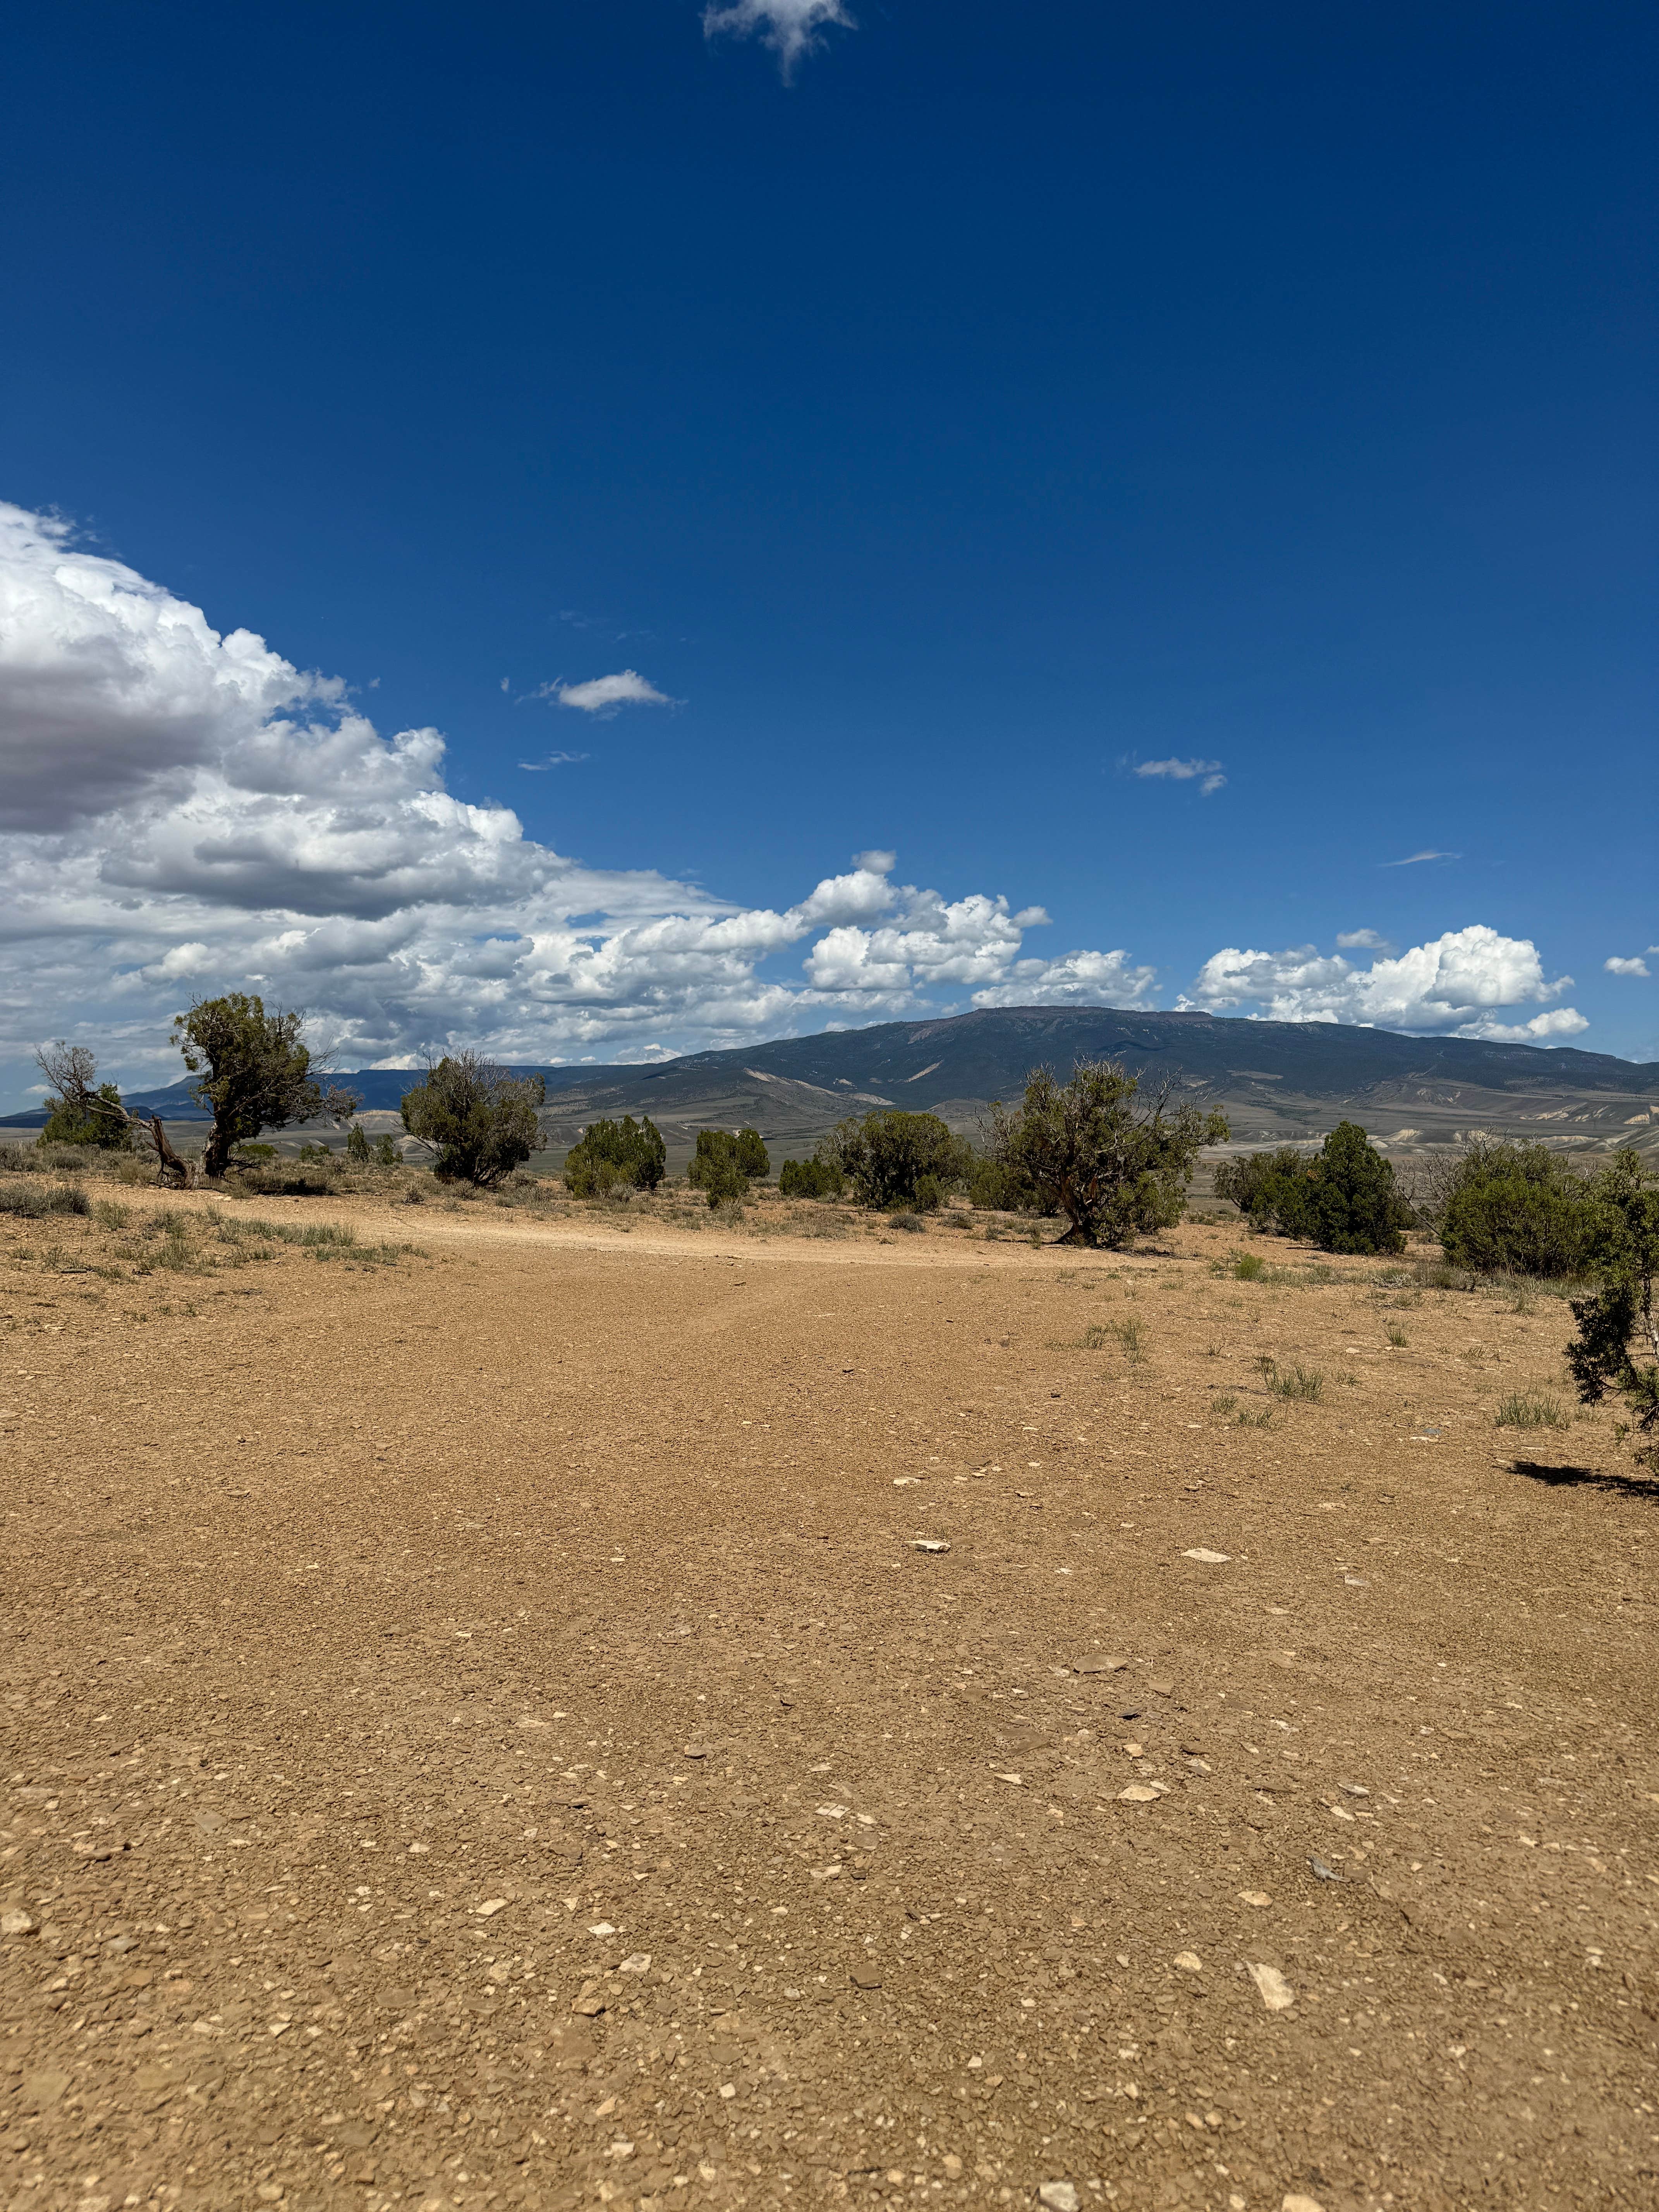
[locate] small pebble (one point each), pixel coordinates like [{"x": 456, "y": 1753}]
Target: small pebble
[{"x": 1059, "y": 2197}]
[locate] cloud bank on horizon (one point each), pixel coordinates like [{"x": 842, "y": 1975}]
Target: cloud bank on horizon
[{"x": 183, "y": 812}]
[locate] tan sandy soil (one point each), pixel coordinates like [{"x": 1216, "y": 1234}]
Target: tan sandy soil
[{"x": 478, "y": 1729}]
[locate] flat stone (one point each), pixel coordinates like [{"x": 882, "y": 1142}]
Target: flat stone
[
  {"x": 1097, "y": 1662},
  {"x": 866, "y": 1978},
  {"x": 1275, "y": 1991},
  {"x": 1161, "y": 1686},
  {"x": 1059, "y": 2197}
]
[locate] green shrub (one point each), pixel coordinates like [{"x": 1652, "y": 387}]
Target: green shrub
[
  {"x": 297, "y": 1181},
  {"x": 625, "y": 1155},
  {"x": 73, "y": 1122},
  {"x": 386, "y": 1154},
  {"x": 813, "y": 1178},
  {"x": 752, "y": 1159},
  {"x": 996, "y": 1188},
  {"x": 1344, "y": 1199},
  {"x": 1087, "y": 1149},
  {"x": 1514, "y": 1210},
  {"x": 1246, "y": 1177},
  {"x": 357, "y": 1146},
  {"x": 715, "y": 1169},
  {"x": 889, "y": 1156},
  {"x": 481, "y": 1119},
  {"x": 33, "y": 1201},
  {"x": 912, "y": 1223},
  {"x": 1617, "y": 1346}
]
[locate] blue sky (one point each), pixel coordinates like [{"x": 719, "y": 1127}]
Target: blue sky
[{"x": 1010, "y": 401}]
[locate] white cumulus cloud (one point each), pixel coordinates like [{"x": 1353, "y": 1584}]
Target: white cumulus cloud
[
  {"x": 182, "y": 812},
  {"x": 790, "y": 27},
  {"x": 603, "y": 694},
  {"x": 1454, "y": 984},
  {"x": 1206, "y": 773},
  {"x": 1362, "y": 940},
  {"x": 1634, "y": 966}
]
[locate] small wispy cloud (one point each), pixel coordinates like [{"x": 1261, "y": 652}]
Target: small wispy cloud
[
  {"x": 603, "y": 694},
  {"x": 790, "y": 27},
  {"x": 1206, "y": 774},
  {"x": 1634, "y": 966},
  {"x": 553, "y": 760},
  {"x": 1363, "y": 940},
  {"x": 1411, "y": 859}
]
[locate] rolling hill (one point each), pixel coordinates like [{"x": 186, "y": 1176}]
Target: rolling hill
[{"x": 1275, "y": 1080}]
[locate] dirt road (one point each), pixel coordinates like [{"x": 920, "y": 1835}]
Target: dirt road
[{"x": 480, "y": 1729}]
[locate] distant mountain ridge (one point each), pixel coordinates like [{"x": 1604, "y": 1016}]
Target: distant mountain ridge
[{"x": 1274, "y": 1077}]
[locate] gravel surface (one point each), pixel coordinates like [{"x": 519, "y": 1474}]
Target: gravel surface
[{"x": 558, "y": 1717}]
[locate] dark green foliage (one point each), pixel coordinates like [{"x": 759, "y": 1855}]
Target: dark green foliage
[
  {"x": 251, "y": 1070},
  {"x": 812, "y": 1178},
  {"x": 1248, "y": 1177},
  {"x": 716, "y": 1166},
  {"x": 996, "y": 1188},
  {"x": 752, "y": 1159},
  {"x": 1515, "y": 1210},
  {"x": 1343, "y": 1198},
  {"x": 1088, "y": 1151},
  {"x": 896, "y": 1159},
  {"x": 75, "y": 1121},
  {"x": 386, "y": 1154},
  {"x": 625, "y": 1155},
  {"x": 357, "y": 1146},
  {"x": 1617, "y": 1346},
  {"x": 481, "y": 1120},
  {"x": 83, "y": 1110}
]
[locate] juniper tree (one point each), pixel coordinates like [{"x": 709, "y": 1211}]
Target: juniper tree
[
  {"x": 479, "y": 1117},
  {"x": 1114, "y": 1167},
  {"x": 1617, "y": 1346}
]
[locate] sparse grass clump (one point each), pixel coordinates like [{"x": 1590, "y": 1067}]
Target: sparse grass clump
[
  {"x": 1304, "y": 1383},
  {"x": 911, "y": 1224},
  {"x": 33, "y": 1201},
  {"x": 1518, "y": 1411},
  {"x": 1396, "y": 1335}
]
